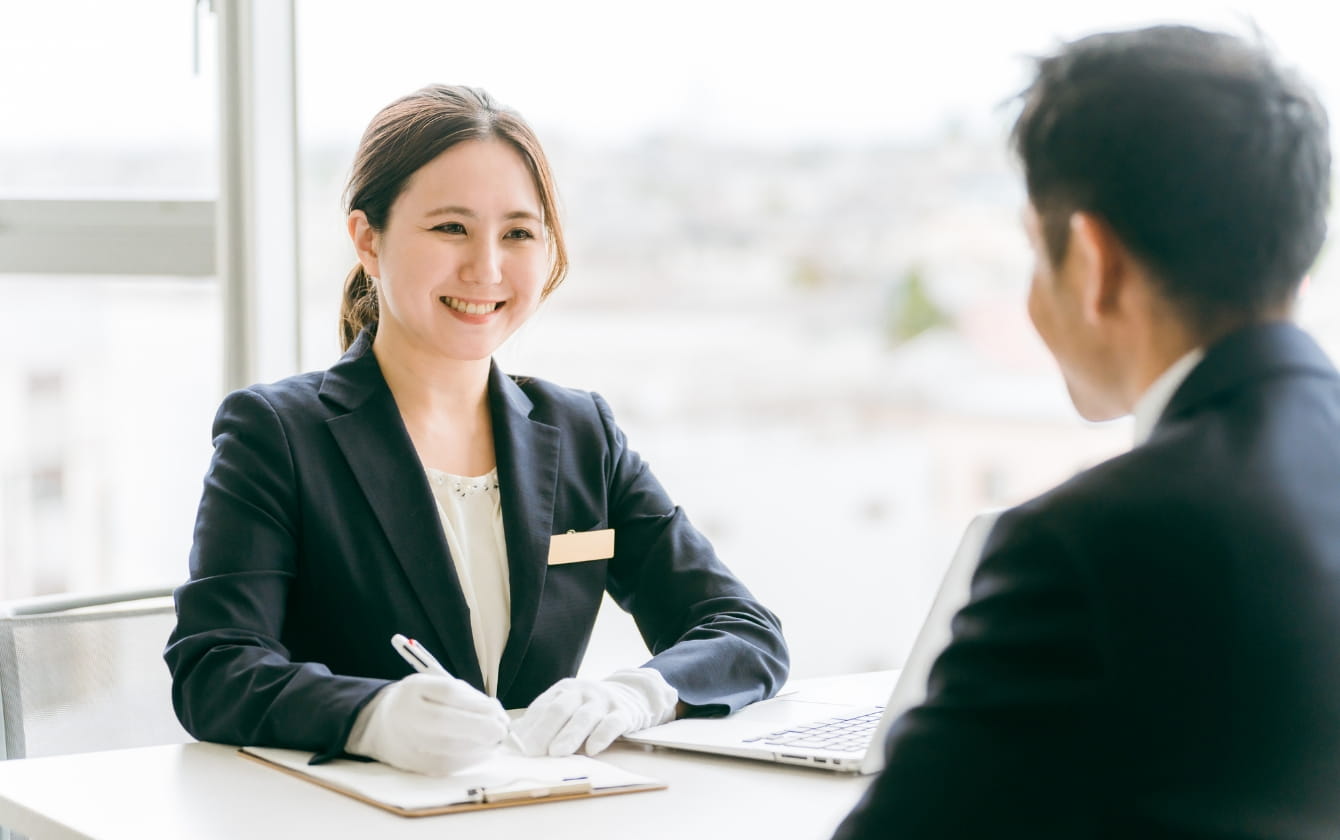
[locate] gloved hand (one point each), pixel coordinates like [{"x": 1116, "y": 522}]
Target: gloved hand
[
  {"x": 428, "y": 724},
  {"x": 577, "y": 712}
]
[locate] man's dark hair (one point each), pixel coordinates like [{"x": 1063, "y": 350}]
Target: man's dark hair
[{"x": 1209, "y": 161}]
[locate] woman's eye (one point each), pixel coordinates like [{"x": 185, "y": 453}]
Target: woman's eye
[
  {"x": 450, "y": 227},
  {"x": 520, "y": 233}
]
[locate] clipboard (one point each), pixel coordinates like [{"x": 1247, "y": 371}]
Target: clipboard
[{"x": 507, "y": 779}]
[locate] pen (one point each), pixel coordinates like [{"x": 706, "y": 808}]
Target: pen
[
  {"x": 511, "y": 792},
  {"x": 425, "y": 663},
  {"x": 417, "y": 656}
]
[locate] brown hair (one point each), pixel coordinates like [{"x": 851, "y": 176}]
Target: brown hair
[{"x": 409, "y": 133}]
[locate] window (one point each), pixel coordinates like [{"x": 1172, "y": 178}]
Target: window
[
  {"x": 107, "y": 173},
  {"x": 797, "y": 268},
  {"x": 797, "y": 271}
]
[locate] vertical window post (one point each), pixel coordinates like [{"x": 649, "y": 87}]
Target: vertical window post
[{"x": 257, "y": 207}]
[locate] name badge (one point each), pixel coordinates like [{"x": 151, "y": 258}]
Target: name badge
[{"x": 581, "y": 546}]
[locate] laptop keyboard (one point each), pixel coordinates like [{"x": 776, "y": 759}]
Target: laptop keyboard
[{"x": 841, "y": 734}]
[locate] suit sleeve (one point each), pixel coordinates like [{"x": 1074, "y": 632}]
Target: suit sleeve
[
  {"x": 710, "y": 638},
  {"x": 999, "y": 747},
  {"x": 232, "y": 680}
]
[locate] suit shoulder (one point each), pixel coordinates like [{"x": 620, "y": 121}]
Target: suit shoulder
[
  {"x": 288, "y": 397},
  {"x": 555, "y": 403},
  {"x": 1130, "y": 499}
]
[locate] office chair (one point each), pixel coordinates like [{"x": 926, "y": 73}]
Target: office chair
[{"x": 86, "y": 673}]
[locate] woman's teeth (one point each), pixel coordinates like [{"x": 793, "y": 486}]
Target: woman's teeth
[{"x": 470, "y": 308}]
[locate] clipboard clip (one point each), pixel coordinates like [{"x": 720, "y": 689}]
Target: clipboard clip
[{"x": 514, "y": 791}]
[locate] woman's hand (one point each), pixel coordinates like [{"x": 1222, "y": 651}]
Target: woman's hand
[
  {"x": 589, "y": 714},
  {"x": 429, "y": 724}
]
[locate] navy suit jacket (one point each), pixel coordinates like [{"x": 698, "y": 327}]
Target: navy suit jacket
[
  {"x": 318, "y": 538},
  {"x": 1152, "y": 649}
]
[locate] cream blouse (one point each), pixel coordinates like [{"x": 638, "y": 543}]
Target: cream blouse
[{"x": 471, "y": 513}]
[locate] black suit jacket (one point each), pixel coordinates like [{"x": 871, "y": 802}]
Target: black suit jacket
[
  {"x": 318, "y": 538},
  {"x": 1151, "y": 649}
]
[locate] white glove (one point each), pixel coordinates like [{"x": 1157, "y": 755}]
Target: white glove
[
  {"x": 576, "y": 712},
  {"x": 428, "y": 724}
]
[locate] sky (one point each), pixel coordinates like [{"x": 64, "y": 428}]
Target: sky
[
  {"x": 776, "y": 70},
  {"x": 92, "y": 72}
]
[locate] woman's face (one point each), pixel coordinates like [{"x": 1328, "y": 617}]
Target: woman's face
[{"x": 462, "y": 261}]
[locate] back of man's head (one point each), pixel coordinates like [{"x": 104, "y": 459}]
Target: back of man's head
[{"x": 1210, "y": 162}]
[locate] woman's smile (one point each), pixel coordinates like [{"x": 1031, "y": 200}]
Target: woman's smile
[{"x": 471, "y": 307}]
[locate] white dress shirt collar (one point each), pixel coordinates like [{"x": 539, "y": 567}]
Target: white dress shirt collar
[{"x": 1156, "y": 396}]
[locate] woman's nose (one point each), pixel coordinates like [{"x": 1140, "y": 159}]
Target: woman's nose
[{"x": 483, "y": 265}]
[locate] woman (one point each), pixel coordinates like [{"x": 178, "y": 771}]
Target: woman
[{"x": 414, "y": 488}]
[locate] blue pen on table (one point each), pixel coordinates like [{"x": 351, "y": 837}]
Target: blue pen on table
[{"x": 425, "y": 663}]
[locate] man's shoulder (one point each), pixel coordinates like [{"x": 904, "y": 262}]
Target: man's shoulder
[
  {"x": 1138, "y": 493},
  {"x": 1134, "y": 473},
  {"x": 1191, "y": 489}
]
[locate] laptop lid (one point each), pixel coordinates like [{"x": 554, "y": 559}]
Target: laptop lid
[
  {"x": 838, "y": 696},
  {"x": 936, "y": 630}
]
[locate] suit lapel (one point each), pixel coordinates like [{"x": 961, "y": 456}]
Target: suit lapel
[
  {"x": 373, "y": 439},
  {"x": 527, "y": 453}
]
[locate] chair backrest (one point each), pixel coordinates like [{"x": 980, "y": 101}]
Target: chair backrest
[{"x": 86, "y": 673}]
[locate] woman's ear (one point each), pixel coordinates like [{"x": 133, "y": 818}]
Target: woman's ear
[{"x": 366, "y": 242}]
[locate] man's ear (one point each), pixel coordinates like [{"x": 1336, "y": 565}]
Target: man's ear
[
  {"x": 366, "y": 242},
  {"x": 1099, "y": 264}
]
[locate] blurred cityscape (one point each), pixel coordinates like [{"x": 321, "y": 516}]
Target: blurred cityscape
[{"x": 822, "y": 351}]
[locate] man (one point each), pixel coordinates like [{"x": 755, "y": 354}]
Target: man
[{"x": 1152, "y": 649}]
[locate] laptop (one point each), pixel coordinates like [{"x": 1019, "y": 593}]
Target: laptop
[{"x": 833, "y": 724}]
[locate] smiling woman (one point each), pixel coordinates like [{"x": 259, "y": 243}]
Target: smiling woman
[
  {"x": 456, "y": 279},
  {"x": 403, "y": 164},
  {"x": 417, "y": 486}
]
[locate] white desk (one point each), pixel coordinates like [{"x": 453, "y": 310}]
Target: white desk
[{"x": 206, "y": 791}]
